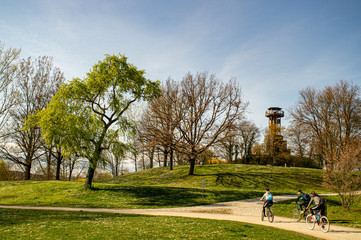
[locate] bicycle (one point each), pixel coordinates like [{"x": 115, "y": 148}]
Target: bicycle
[
  {"x": 298, "y": 214},
  {"x": 269, "y": 214},
  {"x": 321, "y": 221}
]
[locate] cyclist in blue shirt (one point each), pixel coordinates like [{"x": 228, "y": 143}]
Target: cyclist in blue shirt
[{"x": 268, "y": 200}]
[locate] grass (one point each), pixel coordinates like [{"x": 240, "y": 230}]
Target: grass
[
  {"x": 335, "y": 213},
  {"x": 159, "y": 187},
  {"x": 37, "y": 224}
]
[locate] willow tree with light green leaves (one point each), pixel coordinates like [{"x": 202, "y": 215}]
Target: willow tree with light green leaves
[{"x": 87, "y": 115}]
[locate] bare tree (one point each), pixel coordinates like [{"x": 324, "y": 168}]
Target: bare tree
[
  {"x": 333, "y": 115},
  {"x": 115, "y": 157},
  {"x": 343, "y": 178},
  {"x": 158, "y": 126},
  {"x": 298, "y": 138},
  {"x": 36, "y": 82},
  {"x": 229, "y": 147},
  {"x": 240, "y": 141},
  {"x": 249, "y": 135},
  {"x": 205, "y": 113},
  {"x": 8, "y": 71}
]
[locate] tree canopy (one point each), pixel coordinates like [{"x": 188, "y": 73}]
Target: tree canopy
[{"x": 86, "y": 115}]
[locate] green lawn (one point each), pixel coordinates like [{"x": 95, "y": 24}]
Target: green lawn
[
  {"x": 37, "y": 224},
  {"x": 159, "y": 187}
]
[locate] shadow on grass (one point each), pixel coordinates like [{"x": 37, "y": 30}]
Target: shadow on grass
[
  {"x": 340, "y": 221},
  {"x": 159, "y": 196},
  {"x": 269, "y": 179}
]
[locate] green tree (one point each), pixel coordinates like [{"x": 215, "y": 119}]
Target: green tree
[{"x": 87, "y": 115}]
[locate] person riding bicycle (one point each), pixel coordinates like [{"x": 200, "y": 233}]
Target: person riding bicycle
[
  {"x": 268, "y": 200},
  {"x": 319, "y": 204},
  {"x": 303, "y": 199}
]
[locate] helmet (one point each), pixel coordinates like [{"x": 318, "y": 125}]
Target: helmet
[{"x": 313, "y": 193}]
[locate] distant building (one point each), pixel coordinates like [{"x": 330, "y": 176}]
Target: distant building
[{"x": 274, "y": 139}]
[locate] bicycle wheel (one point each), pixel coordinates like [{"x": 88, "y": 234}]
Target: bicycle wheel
[
  {"x": 324, "y": 224},
  {"x": 310, "y": 222},
  {"x": 297, "y": 215},
  {"x": 270, "y": 216}
]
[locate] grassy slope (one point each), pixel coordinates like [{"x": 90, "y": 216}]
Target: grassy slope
[{"x": 160, "y": 187}]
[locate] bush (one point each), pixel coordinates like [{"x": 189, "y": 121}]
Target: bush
[
  {"x": 5, "y": 174},
  {"x": 215, "y": 161}
]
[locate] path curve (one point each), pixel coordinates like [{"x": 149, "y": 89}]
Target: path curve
[{"x": 247, "y": 211}]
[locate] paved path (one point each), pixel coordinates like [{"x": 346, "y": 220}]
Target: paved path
[{"x": 248, "y": 211}]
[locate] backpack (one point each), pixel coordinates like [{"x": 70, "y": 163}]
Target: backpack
[
  {"x": 270, "y": 197},
  {"x": 307, "y": 197},
  {"x": 322, "y": 201}
]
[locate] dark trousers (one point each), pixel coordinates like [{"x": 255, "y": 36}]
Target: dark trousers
[
  {"x": 267, "y": 203},
  {"x": 320, "y": 208}
]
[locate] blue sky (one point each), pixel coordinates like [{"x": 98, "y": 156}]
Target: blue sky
[{"x": 274, "y": 48}]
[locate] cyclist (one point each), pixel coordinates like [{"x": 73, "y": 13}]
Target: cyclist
[
  {"x": 319, "y": 204},
  {"x": 268, "y": 200},
  {"x": 302, "y": 200}
]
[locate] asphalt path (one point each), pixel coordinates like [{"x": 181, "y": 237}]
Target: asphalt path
[{"x": 247, "y": 211}]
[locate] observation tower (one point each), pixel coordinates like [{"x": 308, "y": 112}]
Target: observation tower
[
  {"x": 274, "y": 115},
  {"x": 274, "y": 139}
]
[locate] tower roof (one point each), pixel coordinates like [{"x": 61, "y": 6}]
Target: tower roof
[{"x": 275, "y": 112}]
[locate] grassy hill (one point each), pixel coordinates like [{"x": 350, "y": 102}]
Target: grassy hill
[
  {"x": 229, "y": 176},
  {"x": 160, "y": 187}
]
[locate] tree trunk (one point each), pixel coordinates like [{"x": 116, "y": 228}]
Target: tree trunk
[
  {"x": 27, "y": 172},
  {"x": 135, "y": 163},
  {"x": 192, "y": 163},
  {"x": 89, "y": 177},
  {"x": 151, "y": 157},
  {"x": 171, "y": 160},
  {"x": 59, "y": 159},
  {"x": 143, "y": 159},
  {"x": 48, "y": 160},
  {"x": 165, "y": 159},
  {"x": 71, "y": 167},
  {"x": 236, "y": 154},
  {"x": 58, "y": 164},
  {"x": 116, "y": 169}
]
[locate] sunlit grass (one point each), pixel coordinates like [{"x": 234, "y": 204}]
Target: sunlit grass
[
  {"x": 37, "y": 224},
  {"x": 160, "y": 187}
]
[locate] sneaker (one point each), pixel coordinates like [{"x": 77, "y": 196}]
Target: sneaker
[{"x": 301, "y": 212}]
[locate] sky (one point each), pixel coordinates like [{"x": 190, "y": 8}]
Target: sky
[{"x": 274, "y": 48}]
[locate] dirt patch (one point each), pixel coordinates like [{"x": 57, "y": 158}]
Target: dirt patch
[{"x": 214, "y": 211}]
